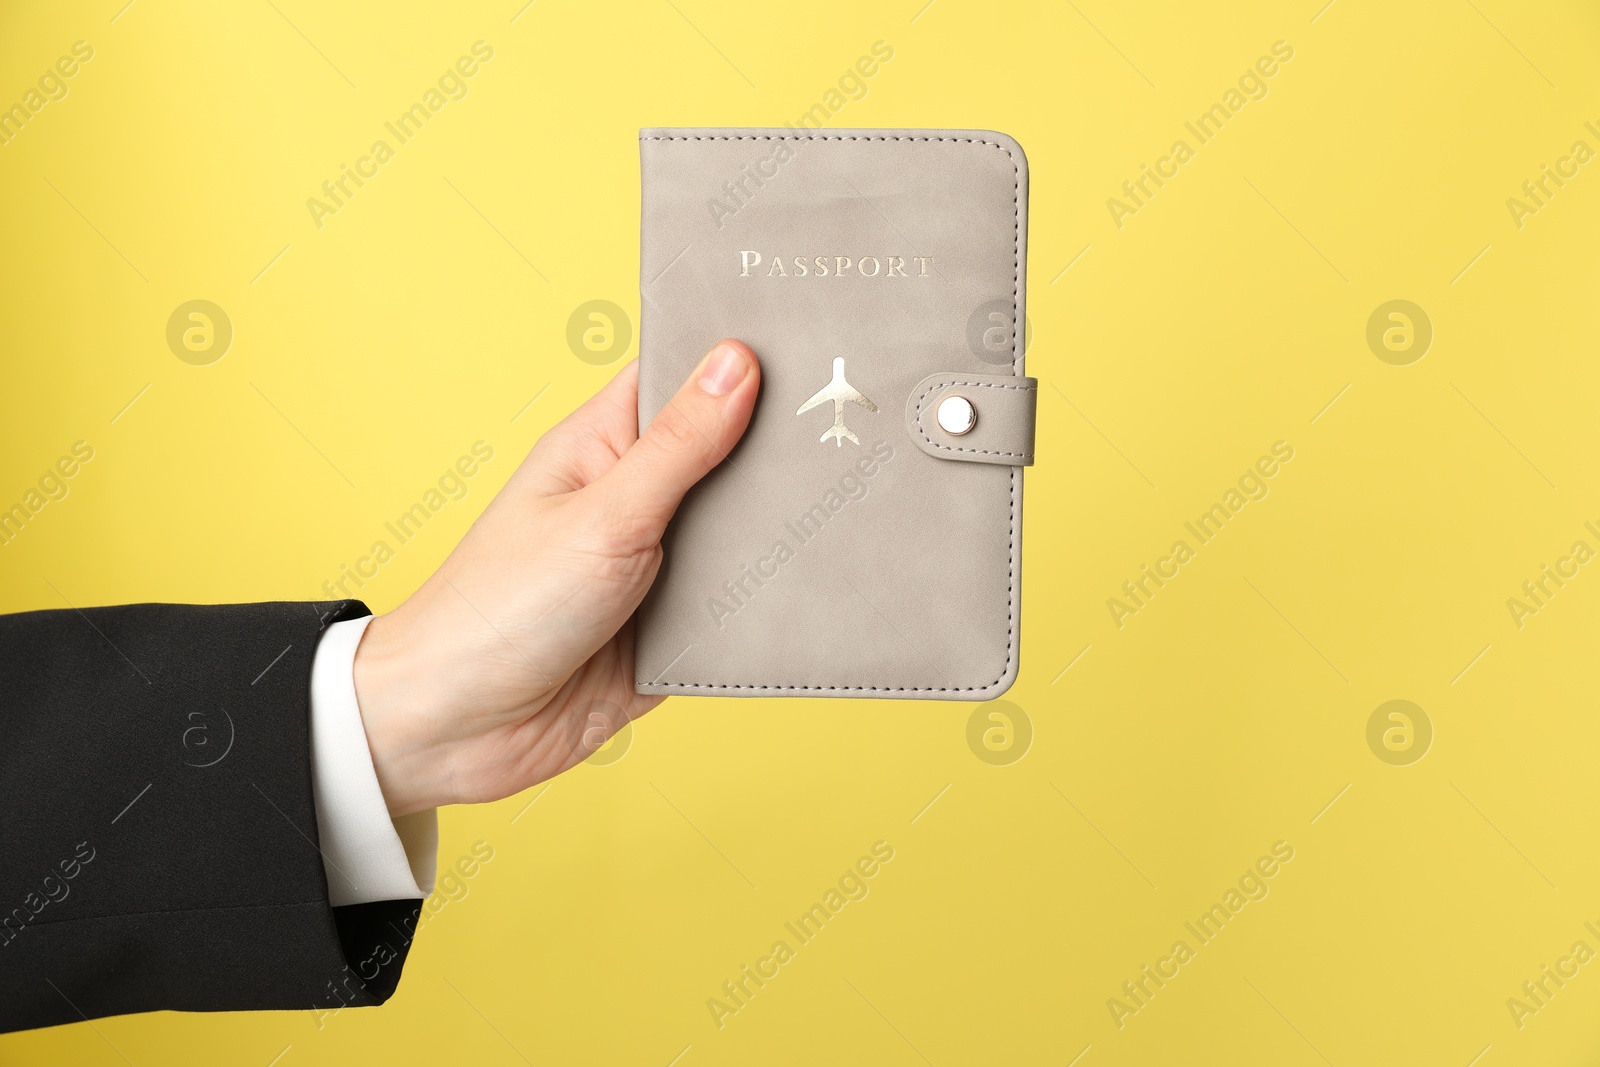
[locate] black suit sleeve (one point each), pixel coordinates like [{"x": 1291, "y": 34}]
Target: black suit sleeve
[{"x": 158, "y": 843}]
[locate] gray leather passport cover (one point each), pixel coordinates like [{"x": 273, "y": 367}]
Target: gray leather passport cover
[{"x": 849, "y": 546}]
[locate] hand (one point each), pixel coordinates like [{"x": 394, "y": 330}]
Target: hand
[{"x": 514, "y": 661}]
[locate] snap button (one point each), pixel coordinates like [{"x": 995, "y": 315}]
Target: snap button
[{"x": 956, "y": 415}]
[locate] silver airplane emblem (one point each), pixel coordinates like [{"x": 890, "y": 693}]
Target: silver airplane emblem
[{"x": 839, "y": 391}]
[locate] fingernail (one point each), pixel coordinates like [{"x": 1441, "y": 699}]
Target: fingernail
[{"x": 724, "y": 369}]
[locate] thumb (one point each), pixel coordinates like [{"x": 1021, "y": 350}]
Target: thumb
[{"x": 691, "y": 434}]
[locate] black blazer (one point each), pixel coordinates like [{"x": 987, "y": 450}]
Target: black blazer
[{"x": 158, "y": 843}]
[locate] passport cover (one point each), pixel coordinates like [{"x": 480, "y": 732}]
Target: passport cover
[{"x": 852, "y": 544}]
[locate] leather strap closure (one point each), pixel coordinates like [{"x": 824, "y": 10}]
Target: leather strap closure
[{"x": 1001, "y": 415}]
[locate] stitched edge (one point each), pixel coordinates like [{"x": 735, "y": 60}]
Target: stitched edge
[
  {"x": 839, "y": 137},
  {"x": 1016, "y": 341},
  {"x": 198, "y": 909},
  {"x": 975, "y": 385}
]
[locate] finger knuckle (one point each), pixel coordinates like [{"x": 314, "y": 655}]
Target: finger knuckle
[
  {"x": 623, "y": 532},
  {"x": 675, "y": 432}
]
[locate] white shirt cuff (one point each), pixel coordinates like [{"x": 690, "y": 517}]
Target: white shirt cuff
[{"x": 366, "y": 855}]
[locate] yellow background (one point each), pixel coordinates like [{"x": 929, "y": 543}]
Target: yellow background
[{"x": 1224, "y": 316}]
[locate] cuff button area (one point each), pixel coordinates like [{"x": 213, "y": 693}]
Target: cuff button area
[{"x": 956, "y": 415}]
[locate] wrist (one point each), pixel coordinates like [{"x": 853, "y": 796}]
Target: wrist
[{"x": 392, "y": 679}]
